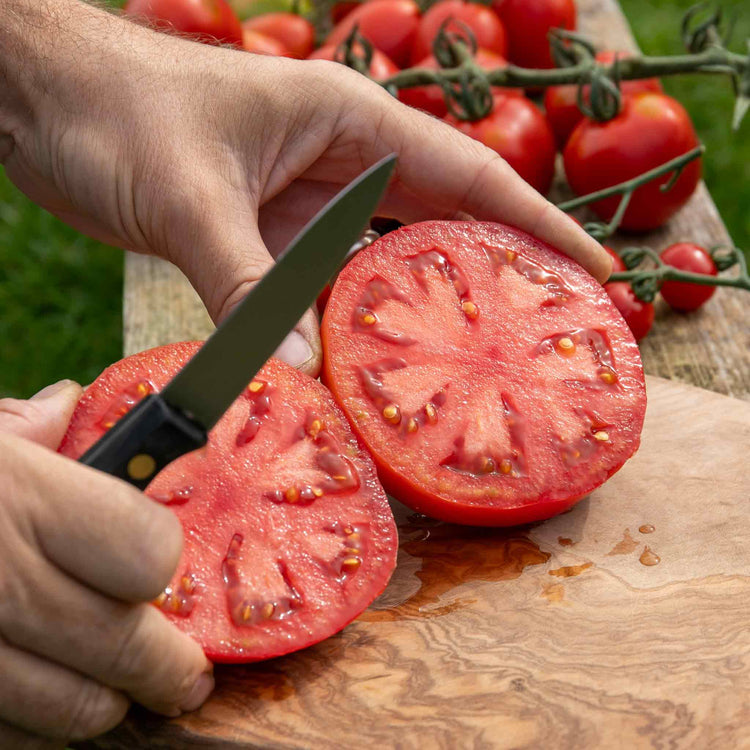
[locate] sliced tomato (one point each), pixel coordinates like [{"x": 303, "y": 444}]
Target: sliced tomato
[
  {"x": 491, "y": 377},
  {"x": 288, "y": 535}
]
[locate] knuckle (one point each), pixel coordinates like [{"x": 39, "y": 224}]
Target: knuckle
[
  {"x": 16, "y": 414},
  {"x": 94, "y": 710},
  {"x": 130, "y": 655}
]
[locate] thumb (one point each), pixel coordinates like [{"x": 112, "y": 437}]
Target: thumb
[{"x": 44, "y": 417}]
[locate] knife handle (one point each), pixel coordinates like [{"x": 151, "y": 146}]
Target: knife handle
[{"x": 144, "y": 441}]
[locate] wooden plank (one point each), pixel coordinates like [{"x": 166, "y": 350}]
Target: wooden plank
[{"x": 554, "y": 635}]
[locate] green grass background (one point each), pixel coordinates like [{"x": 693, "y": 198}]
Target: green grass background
[{"x": 61, "y": 293}]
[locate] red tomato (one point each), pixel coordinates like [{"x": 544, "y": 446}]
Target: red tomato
[
  {"x": 517, "y": 130},
  {"x": 561, "y": 102},
  {"x": 431, "y": 99},
  {"x": 651, "y": 129},
  {"x": 483, "y": 23},
  {"x": 380, "y": 66},
  {"x": 288, "y": 535},
  {"x": 617, "y": 263},
  {"x": 260, "y": 44},
  {"x": 340, "y": 10},
  {"x": 638, "y": 315},
  {"x": 681, "y": 295},
  {"x": 528, "y": 22},
  {"x": 294, "y": 32},
  {"x": 389, "y": 25},
  {"x": 212, "y": 21},
  {"x": 490, "y": 376}
]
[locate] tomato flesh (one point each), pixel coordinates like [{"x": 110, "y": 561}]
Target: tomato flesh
[
  {"x": 288, "y": 534},
  {"x": 491, "y": 377}
]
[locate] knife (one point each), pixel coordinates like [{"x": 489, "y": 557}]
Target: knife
[{"x": 166, "y": 425}]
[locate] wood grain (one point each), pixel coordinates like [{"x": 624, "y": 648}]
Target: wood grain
[{"x": 554, "y": 635}]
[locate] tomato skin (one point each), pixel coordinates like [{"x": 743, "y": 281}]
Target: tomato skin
[
  {"x": 485, "y": 25},
  {"x": 617, "y": 263},
  {"x": 517, "y": 130},
  {"x": 430, "y": 98},
  {"x": 651, "y": 129},
  {"x": 639, "y": 315},
  {"x": 381, "y": 67},
  {"x": 340, "y": 10},
  {"x": 210, "y": 21},
  {"x": 295, "y": 33},
  {"x": 389, "y": 25},
  {"x": 561, "y": 102},
  {"x": 528, "y": 23},
  {"x": 680, "y": 295},
  {"x": 262, "y": 44}
]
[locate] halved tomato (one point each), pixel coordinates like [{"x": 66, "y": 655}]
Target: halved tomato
[
  {"x": 490, "y": 376},
  {"x": 288, "y": 534}
]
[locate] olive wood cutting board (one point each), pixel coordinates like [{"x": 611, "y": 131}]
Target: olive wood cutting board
[{"x": 623, "y": 623}]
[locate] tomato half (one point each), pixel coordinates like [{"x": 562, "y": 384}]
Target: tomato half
[
  {"x": 651, "y": 129},
  {"x": 389, "y": 25},
  {"x": 481, "y": 21},
  {"x": 518, "y": 131},
  {"x": 528, "y": 23},
  {"x": 294, "y": 32},
  {"x": 381, "y": 67},
  {"x": 639, "y": 315},
  {"x": 680, "y": 295},
  {"x": 490, "y": 376},
  {"x": 561, "y": 102},
  {"x": 431, "y": 99},
  {"x": 211, "y": 21},
  {"x": 288, "y": 535}
]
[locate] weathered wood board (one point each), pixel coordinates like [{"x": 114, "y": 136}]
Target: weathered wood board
[{"x": 554, "y": 635}]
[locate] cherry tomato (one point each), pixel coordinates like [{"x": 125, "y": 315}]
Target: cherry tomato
[
  {"x": 490, "y": 376},
  {"x": 638, "y": 315},
  {"x": 261, "y": 44},
  {"x": 617, "y": 263},
  {"x": 518, "y": 131},
  {"x": 389, "y": 25},
  {"x": 651, "y": 129},
  {"x": 294, "y": 32},
  {"x": 211, "y": 21},
  {"x": 380, "y": 66},
  {"x": 431, "y": 99},
  {"x": 483, "y": 23},
  {"x": 528, "y": 23},
  {"x": 288, "y": 535},
  {"x": 681, "y": 295},
  {"x": 561, "y": 102},
  {"x": 340, "y": 10}
]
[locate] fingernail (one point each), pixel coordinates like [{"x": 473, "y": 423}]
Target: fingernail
[
  {"x": 294, "y": 349},
  {"x": 52, "y": 390},
  {"x": 203, "y": 687}
]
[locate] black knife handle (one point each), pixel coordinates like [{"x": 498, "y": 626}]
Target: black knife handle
[{"x": 144, "y": 441}]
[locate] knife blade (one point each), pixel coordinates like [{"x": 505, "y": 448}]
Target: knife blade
[{"x": 175, "y": 421}]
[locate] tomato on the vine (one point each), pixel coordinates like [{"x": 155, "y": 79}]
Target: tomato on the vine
[
  {"x": 518, "y": 131},
  {"x": 288, "y": 534},
  {"x": 528, "y": 22},
  {"x": 639, "y": 315},
  {"x": 262, "y": 44},
  {"x": 381, "y": 66},
  {"x": 650, "y": 130},
  {"x": 294, "y": 32},
  {"x": 618, "y": 264},
  {"x": 486, "y": 27},
  {"x": 561, "y": 102},
  {"x": 681, "y": 295},
  {"x": 211, "y": 21}
]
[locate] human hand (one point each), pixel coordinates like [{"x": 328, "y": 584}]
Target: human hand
[
  {"x": 82, "y": 554},
  {"x": 215, "y": 158}
]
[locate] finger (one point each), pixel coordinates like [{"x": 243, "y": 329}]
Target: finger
[
  {"x": 100, "y": 530},
  {"x": 44, "y": 418},
  {"x": 19, "y": 739},
  {"x": 49, "y": 700}
]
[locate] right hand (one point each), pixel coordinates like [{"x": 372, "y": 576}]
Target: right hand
[{"x": 81, "y": 555}]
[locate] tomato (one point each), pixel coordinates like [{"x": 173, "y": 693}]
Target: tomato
[
  {"x": 431, "y": 99},
  {"x": 288, "y": 535},
  {"x": 249, "y": 8},
  {"x": 211, "y": 21},
  {"x": 561, "y": 102},
  {"x": 681, "y": 295},
  {"x": 261, "y": 44},
  {"x": 528, "y": 23},
  {"x": 389, "y": 25},
  {"x": 490, "y": 376},
  {"x": 639, "y": 315},
  {"x": 617, "y": 263},
  {"x": 518, "y": 131},
  {"x": 651, "y": 129},
  {"x": 482, "y": 22},
  {"x": 380, "y": 66},
  {"x": 294, "y": 32},
  {"x": 340, "y": 10}
]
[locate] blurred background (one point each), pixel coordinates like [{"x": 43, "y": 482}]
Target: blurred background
[{"x": 61, "y": 293}]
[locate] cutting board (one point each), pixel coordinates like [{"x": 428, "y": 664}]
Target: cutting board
[{"x": 623, "y": 623}]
